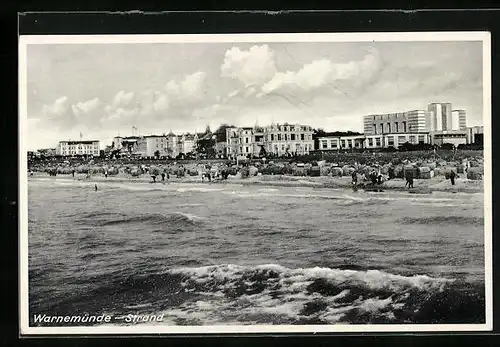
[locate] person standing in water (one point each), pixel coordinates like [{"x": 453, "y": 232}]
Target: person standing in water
[{"x": 95, "y": 187}]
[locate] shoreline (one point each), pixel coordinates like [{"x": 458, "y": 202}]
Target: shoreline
[{"x": 421, "y": 186}]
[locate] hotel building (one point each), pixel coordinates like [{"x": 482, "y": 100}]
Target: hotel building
[
  {"x": 186, "y": 143},
  {"x": 438, "y": 125},
  {"x": 70, "y": 148},
  {"x": 285, "y": 139}
]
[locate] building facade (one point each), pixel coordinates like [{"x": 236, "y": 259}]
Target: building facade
[
  {"x": 186, "y": 143},
  {"x": 454, "y": 137},
  {"x": 151, "y": 146},
  {"x": 371, "y": 141},
  {"x": 276, "y": 139},
  {"x": 475, "y": 135},
  {"x": 414, "y": 121},
  {"x": 172, "y": 146},
  {"x": 71, "y": 148}
]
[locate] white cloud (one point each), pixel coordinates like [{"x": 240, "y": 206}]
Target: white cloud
[
  {"x": 123, "y": 98},
  {"x": 192, "y": 84},
  {"x": 86, "y": 107},
  {"x": 172, "y": 88},
  {"x": 252, "y": 67},
  {"x": 58, "y": 108},
  {"x": 321, "y": 72},
  {"x": 233, "y": 93},
  {"x": 161, "y": 104}
]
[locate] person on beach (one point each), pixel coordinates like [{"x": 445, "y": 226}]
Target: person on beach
[
  {"x": 95, "y": 187},
  {"x": 163, "y": 176},
  {"x": 391, "y": 173},
  {"x": 106, "y": 173},
  {"x": 452, "y": 177},
  {"x": 154, "y": 178},
  {"x": 354, "y": 178},
  {"x": 73, "y": 172},
  {"x": 409, "y": 179}
]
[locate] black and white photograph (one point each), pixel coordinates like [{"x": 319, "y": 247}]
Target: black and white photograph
[{"x": 227, "y": 183}]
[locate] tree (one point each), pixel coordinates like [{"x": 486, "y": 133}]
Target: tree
[
  {"x": 262, "y": 152},
  {"x": 447, "y": 146},
  {"x": 205, "y": 147},
  {"x": 405, "y": 147},
  {"x": 220, "y": 133}
]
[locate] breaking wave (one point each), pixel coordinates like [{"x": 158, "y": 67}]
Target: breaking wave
[{"x": 273, "y": 294}]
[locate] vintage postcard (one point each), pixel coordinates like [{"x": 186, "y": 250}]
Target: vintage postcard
[{"x": 255, "y": 183}]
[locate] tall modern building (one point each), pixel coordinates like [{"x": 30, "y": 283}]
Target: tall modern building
[
  {"x": 440, "y": 116},
  {"x": 443, "y": 118},
  {"x": 459, "y": 120}
]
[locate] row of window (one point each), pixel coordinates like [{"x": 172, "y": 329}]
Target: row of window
[
  {"x": 388, "y": 128},
  {"x": 79, "y": 152},
  {"x": 371, "y": 142}
]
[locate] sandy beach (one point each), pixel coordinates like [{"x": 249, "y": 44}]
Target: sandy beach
[{"x": 437, "y": 183}]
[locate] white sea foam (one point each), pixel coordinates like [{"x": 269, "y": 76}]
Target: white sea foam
[{"x": 293, "y": 294}]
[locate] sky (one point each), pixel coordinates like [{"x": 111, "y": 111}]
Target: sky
[{"x": 102, "y": 90}]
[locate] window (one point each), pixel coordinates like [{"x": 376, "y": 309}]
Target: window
[
  {"x": 324, "y": 144},
  {"x": 413, "y": 139},
  {"x": 279, "y": 137},
  {"x": 333, "y": 143},
  {"x": 282, "y": 147},
  {"x": 292, "y": 137},
  {"x": 246, "y": 149},
  {"x": 343, "y": 143},
  {"x": 388, "y": 127},
  {"x": 401, "y": 139},
  {"x": 370, "y": 142},
  {"x": 421, "y": 138},
  {"x": 286, "y": 137},
  {"x": 396, "y": 125},
  {"x": 381, "y": 128},
  {"x": 374, "y": 128},
  {"x": 404, "y": 127},
  {"x": 390, "y": 140},
  {"x": 246, "y": 139},
  {"x": 302, "y": 137},
  {"x": 378, "y": 142}
]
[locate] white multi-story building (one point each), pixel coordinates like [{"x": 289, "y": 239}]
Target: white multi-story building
[
  {"x": 151, "y": 146},
  {"x": 186, "y": 143},
  {"x": 475, "y": 134},
  {"x": 172, "y": 147},
  {"x": 71, "y": 148},
  {"x": 285, "y": 139}
]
